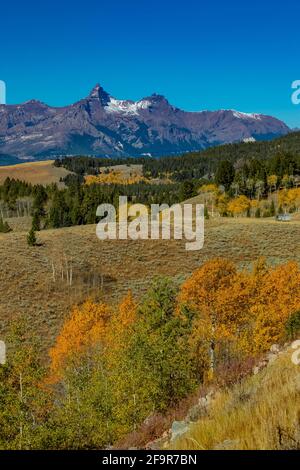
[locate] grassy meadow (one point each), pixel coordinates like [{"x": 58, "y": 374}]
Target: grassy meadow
[
  {"x": 43, "y": 172},
  {"x": 35, "y": 281}
]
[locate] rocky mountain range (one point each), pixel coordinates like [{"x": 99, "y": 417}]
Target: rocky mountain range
[{"x": 102, "y": 125}]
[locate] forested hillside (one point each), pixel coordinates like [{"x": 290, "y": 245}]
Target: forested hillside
[{"x": 111, "y": 367}]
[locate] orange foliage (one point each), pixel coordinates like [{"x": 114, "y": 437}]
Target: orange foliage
[
  {"x": 121, "y": 323},
  {"x": 279, "y": 297},
  {"x": 115, "y": 177},
  {"x": 201, "y": 288},
  {"x": 239, "y": 205},
  {"x": 85, "y": 328},
  {"x": 233, "y": 313},
  {"x": 248, "y": 309},
  {"x": 221, "y": 297},
  {"x": 204, "y": 293},
  {"x": 127, "y": 311}
]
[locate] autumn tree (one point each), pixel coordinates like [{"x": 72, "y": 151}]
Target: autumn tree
[
  {"x": 272, "y": 182},
  {"x": 202, "y": 293},
  {"x": 24, "y": 407},
  {"x": 157, "y": 368},
  {"x": 85, "y": 328},
  {"x": 239, "y": 205},
  {"x": 211, "y": 194},
  {"x": 79, "y": 378},
  {"x": 277, "y": 300}
]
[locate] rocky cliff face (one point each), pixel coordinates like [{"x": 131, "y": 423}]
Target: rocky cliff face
[{"x": 103, "y": 125}]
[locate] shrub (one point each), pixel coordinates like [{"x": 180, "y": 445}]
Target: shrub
[
  {"x": 292, "y": 326},
  {"x": 4, "y": 227}
]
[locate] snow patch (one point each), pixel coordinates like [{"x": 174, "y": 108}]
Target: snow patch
[
  {"x": 240, "y": 115},
  {"x": 125, "y": 106}
]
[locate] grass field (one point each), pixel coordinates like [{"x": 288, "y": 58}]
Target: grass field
[
  {"x": 43, "y": 282},
  {"x": 34, "y": 172}
]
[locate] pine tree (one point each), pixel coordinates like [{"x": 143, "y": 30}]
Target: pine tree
[
  {"x": 225, "y": 174},
  {"x": 31, "y": 238},
  {"x": 187, "y": 190},
  {"x": 36, "y": 222}
]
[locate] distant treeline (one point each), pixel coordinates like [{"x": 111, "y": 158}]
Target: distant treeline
[
  {"x": 258, "y": 159},
  {"x": 90, "y": 165},
  {"x": 52, "y": 207},
  {"x": 13, "y": 189},
  {"x": 77, "y": 204},
  {"x": 279, "y": 156}
]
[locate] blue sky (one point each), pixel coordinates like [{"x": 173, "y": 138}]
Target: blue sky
[{"x": 200, "y": 55}]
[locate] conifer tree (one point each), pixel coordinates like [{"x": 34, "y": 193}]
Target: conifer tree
[
  {"x": 31, "y": 237},
  {"x": 36, "y": 222}
]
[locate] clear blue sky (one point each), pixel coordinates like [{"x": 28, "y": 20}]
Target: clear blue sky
[{"x": 199, "y": 54}]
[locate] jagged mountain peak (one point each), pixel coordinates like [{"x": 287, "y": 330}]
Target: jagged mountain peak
[
  {"x": 98, "y": 93},
  {"x": 158, "y": 100}
]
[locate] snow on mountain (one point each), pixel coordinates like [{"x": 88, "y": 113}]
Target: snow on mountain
[
  {"x": 126, "y": 106},
  {"x": 241, "y": 115},
  {"x": 103, "y": 125}
]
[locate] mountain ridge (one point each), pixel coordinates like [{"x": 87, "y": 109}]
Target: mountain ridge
[{"x": 103, "y": 125}]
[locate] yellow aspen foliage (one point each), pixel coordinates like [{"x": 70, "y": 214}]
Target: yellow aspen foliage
[
  {"x": 278, "y": 299},
  {"x": 272, "y": 181},
  {"x": 127, "y": 311},
  {"x": 85, "y": 328},
  {"x": 239, "y": 205},
  {"x": 221, "y": 203},
  {"x": 289, "y": 198},
  {"x": 121, "y": 321},
  {"x": 209, "y": 188},
  {"x": 203, "y": 292},
  {"x": 115, "y": 177},
  {"x": 254, "y": 203},
  {"x": 283, "y": 199}
]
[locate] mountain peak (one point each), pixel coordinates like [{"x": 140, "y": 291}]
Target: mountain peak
[
  {"x": 35, "y": 103},
  {"x": 158, "y": 98},
  {"x": 98, "y": 93}
]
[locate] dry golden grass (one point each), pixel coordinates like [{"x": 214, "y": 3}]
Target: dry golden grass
[
  {"x": 34, "y": 282},
  {"x": 34, "y": 172},
  {"x": 261, "y": 413}
]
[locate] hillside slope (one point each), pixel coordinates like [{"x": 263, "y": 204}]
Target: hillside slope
[
  {"x": 34, "y": 280},
  {"x": 262, "y": 412},
  {"x": 34, "y": 172}
]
